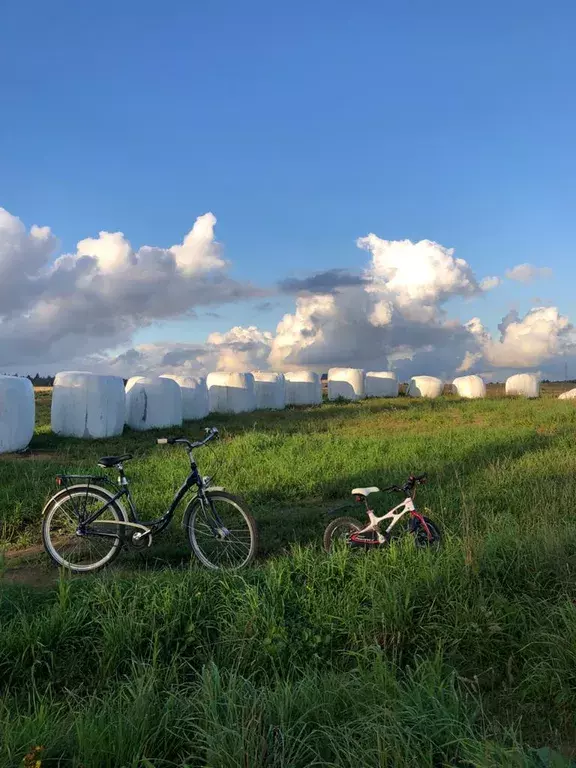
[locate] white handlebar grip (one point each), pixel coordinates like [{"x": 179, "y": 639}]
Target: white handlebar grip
[{"x": 162, "y": 441}]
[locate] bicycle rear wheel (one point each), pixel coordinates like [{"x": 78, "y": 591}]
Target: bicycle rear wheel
[
  {"x": 222, "y": 534},
  {"x": 338, "y": 532},
  {"x": 84, "y": 552}
]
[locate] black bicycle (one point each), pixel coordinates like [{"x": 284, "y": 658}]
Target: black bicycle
[{"x": 85, "y": 525}]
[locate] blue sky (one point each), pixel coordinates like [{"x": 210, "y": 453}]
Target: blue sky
[{"x": 302, "y": 126}]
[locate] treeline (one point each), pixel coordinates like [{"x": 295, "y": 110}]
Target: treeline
[{"x": 37, "y": 380}]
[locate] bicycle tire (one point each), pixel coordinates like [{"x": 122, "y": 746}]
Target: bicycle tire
[
  {"x": 421, "y": 539},
  {"x": 192, "y": 516},
  {"x": 52, "y": 544},
  {"x": 340, "y": 522}
]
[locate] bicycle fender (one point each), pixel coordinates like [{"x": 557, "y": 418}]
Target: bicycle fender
[
  {"x": 188, "y": 510},
  {"x": 64, "y": 493}
]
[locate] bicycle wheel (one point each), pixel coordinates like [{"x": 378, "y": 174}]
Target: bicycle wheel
[
  {"x": 82, "y": 553},
  {"x": 338, "y": 532},
  {"x": 423, "y": 538},
  {"x": 221, "y": 532}
]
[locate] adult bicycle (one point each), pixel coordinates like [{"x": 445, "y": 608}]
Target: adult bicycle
[{"x": 91, "y": 519}]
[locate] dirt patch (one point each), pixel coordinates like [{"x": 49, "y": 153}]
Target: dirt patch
[
  {"x": 30, "y": 456},
  {"x": 24, "y": 553}
]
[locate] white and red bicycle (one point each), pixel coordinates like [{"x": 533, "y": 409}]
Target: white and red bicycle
[{"x": 350, "y": 532}]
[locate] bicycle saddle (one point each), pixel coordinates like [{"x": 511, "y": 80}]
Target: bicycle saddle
[
  {"x": 365, "y": 491},
  {"x": 113, "y": 461}
]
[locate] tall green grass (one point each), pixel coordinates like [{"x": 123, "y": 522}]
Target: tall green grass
[{"x": 462, "y": 657}]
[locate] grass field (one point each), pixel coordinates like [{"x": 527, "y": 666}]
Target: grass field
[{"x": 462, "y": 657}]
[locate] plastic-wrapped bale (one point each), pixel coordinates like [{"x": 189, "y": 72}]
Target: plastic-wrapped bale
[
  {"x": 381, "y": 384},
  {"x": 524, "y": 385},
  {"x": 348, "y": 383},
  {"x": 194, "y": 396},
  {"x": 87, "y": 405},
  {"x": 570, "y": 395},
  {"x": 17, "y": 413},
  {"x": 303, "y": 388},
  {"x": 269, "y": 390},
  {"x": 152, "y": 403},
  {"x": 471, "y": 387},
  {"x": 231, "y": 392},
  {"x": 425, "y": 386}
]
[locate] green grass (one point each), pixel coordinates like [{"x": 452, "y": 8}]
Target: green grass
[{"x": 464, "y": 657}]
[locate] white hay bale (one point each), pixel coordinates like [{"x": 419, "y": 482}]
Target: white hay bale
[
  {"x": 17, "y": 413},
  {"x": 524, "y": 385},
  {"x": 152, "y": 403},
  {"x": 471, "y": 387},
  {"x": 194, "y": 395},
  {"x": 425, "y": 386},
  {"x": 87, "y": 405},
  {"x": 348, "y": 383},
  {"x": 269, "y": 390},
  {"x": 570, "y": 395},
  {"x": 381, "y": 384},
  {"x": 303, "y": 388},
  {"x": 231, "y": 392}
]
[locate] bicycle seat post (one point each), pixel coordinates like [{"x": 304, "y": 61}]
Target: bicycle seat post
[{"x": 122, "y": 479}]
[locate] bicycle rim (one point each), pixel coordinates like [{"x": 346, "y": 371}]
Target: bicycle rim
[
  {"x": 82, "y": 553},
  {"x": 222, "y": 535}
]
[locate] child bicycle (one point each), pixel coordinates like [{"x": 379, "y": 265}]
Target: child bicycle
[
  {"x": 354, "y": 534},
  {"x": 85, "y": 525}
]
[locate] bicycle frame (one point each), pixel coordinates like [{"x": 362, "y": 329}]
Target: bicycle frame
[
  {"x": 144, "y": 527},
  {"x": 394, "y": 515}
]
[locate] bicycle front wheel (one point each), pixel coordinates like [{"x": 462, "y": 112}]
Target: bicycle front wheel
[
  {"x": 222, "y": 534},
  {"x": 98, "y": 545}
]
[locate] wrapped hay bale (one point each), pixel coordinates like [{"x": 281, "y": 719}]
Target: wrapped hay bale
[
  {"x": 231, "y": 392},
  {"x": 523, "y": 385},
  {"x": 269, "y": 390},
  {"x": 194, "y": 395},
  {"x": 471, "y": 387},
  {"x": 152, "y": 403},
  {"x": 570, "y": 395},
  {"x": 17, "y": 413},
  {"x": 425, "y": 386},
  {"x": 303, "y": 388},
  {"x": 87, "y": 405},
  {"x": 348, "y": 383},
  {"x": 381, "y": 384}
]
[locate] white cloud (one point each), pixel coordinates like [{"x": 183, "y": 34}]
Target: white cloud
[
  {"x": 488, "y": 283},
  {"x": 241, "y": 349},
  {"x": 525, "y": 273},
  {"x": 97, "y": 297},
  {"x": 70, "y": 311},
  {"x": 542, "y": 334},
  {"x": 417, "y": 277},
  {"x": 395, "y": 316}
]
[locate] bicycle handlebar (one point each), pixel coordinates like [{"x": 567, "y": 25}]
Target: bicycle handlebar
[
  {"x": 211, "y": 433},
  {"x": 408, "y": 486}
]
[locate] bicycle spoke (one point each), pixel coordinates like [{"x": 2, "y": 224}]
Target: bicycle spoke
[
  {"x": 221, "y": 535},
  {"x": 81, "y": 551}
]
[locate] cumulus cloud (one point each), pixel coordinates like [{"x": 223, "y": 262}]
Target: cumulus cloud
[
  {"x": 542, "y": 334},
  {"x": 70, "y": 311},
  {"x": 488, "y": 283},
  {"x": 395, "y": 316},
  {"x": 418, "y": 277},
  {"x": 240, "y": 349},
  {"x": 526, "y": 273},
  {"x": 98, "y": 296}
]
